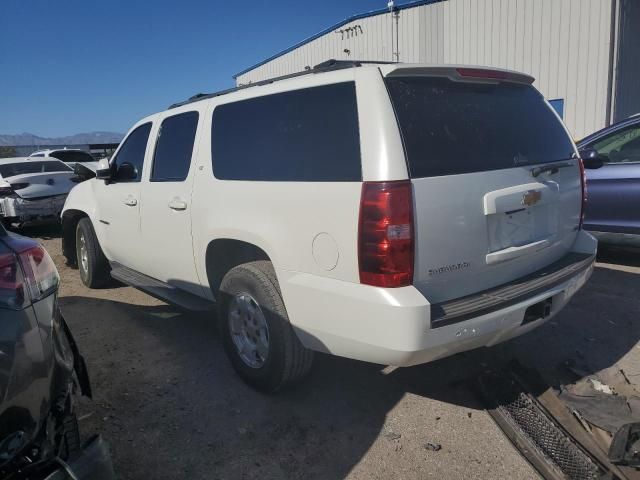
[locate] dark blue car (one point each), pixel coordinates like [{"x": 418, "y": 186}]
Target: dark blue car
[{"x": 613, "y": 207}]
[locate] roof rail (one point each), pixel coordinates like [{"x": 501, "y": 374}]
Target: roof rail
[{"x": 326, "y": 66}]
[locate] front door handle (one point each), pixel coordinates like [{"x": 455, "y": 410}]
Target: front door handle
[
  {"x": 130, "y": 201},
  {"x": 177, "y": 204}
]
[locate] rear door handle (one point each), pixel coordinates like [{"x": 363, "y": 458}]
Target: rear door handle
[
  {"x": 177, "y": 204},
  {"x": 130, "y": 201}
]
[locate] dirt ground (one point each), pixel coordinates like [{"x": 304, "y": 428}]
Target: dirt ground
[{"x": 170, "y": 406}]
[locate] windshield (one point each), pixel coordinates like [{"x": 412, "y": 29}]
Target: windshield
[
  {"x": 453, "y": 127},
  {"x": 21, "y": 168},
  {"x": 72, "y": 156}
]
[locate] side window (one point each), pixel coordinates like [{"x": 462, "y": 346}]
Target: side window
[
  {"x": 132, "y": 152},
  {"x": 38, "y": 155},
  {"x": 174, "y": 148},
  {"x": 620, "y": 147},
  {"x": 308, "y": 135}
]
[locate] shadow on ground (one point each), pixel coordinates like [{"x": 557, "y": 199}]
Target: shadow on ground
[
  {"x": 176, "y": 402},
  {"x": 44, "y": 232},
  {"x": 619, "y": 255}
]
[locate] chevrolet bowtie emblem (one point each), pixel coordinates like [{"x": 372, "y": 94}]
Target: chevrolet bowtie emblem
[{"x": 531, "y": 197}]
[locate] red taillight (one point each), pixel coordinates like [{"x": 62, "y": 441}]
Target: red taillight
[
  {"x": 488, "y": 74},
  {"x": 26, "y": 277},
  {"x": 482, "y": 73},
  {"x": 12, "y": 287},
  {"x": 583, "y": 188},
  {"x": 40, "y": 272},
  {"x": 385, "y": 236}
]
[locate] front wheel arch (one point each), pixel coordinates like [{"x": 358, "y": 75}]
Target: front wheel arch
[{"x": 70, "y": 219}]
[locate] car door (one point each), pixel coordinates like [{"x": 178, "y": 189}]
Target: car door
[
  {"x": 614, "y": 189},
  {"x": 165, "y": 212},
  {"x": 118, "y": 201}
]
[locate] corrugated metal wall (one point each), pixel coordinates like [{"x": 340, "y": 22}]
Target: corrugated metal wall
[
  {"x": 627, "y": 93},
  {"x": 565, "y": 44},
  {"x": 367, "y": 38}
]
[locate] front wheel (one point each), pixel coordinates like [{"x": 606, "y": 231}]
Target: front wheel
[
  {"x": 258, "y": 338},
  {"x": 92, "y": 264}
]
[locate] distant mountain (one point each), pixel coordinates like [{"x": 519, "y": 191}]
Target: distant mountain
[{"x": 77, "y": 139}]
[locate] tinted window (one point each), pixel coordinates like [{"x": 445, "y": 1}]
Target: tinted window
[
  {"x": 174, "y": 147},
  {"x": 457, "y": 127},
  {"x": 37, "y": 155},
  {"x": 620, "y": 147},
  {"x": 133, "y": 148},
  {"x": 73, "y": 156},
  {"x": 305, "y": 135},
  {"x": 12, "y": 169}
]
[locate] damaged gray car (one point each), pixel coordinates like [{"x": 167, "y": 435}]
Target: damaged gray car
[{"x": 33, "y": 190}]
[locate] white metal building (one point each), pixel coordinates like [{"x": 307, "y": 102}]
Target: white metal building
[{"x": 584, "y": 54}]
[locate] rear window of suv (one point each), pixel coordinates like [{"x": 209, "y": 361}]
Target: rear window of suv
[
  {"x": 73, "y": 156},
  {"x": 451, "y": 127},
  {"x": 308, "y": 135}
]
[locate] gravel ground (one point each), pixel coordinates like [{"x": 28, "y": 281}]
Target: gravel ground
[{"x": 170, "y": 406}]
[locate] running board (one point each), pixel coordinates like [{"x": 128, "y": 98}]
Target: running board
[{"x": 160, "y": 290}]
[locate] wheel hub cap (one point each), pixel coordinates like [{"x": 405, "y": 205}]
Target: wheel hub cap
[
  {"x": 84, "y": 257},
  {"x": 249, "y": 330}
]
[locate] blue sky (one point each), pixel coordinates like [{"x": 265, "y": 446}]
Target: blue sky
[{"x": 70, "y": 66}]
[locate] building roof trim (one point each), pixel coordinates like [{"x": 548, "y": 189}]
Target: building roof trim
[{"x": 353, "y": 18}]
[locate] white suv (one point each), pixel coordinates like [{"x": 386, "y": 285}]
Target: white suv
[{"x": 392, "y": 213}]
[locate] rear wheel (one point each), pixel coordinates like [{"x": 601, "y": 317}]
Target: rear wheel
[
  {"x": 255, "y": 328},
  {"x": 92, "y": 264}
]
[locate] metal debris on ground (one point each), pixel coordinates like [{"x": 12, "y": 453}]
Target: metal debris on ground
[
  {"x": 550, "y": 436},
  {"x": 433, "y": 447}
]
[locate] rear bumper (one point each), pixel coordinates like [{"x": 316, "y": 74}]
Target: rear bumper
[
  {"x": 24, "y": 210},
  {"x": 399, "y": 326}
]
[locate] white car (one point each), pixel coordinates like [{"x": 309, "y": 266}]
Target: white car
[
  {"x": 33, "y": 190},
  {"x": 395, "y": 214},
  {"x": 70, "y": 156}
]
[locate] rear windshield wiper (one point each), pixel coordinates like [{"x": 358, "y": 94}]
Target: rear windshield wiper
[{"x": 551, "y": 168}]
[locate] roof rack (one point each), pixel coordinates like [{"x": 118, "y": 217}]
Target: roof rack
[{"x": 326, "y": 66}]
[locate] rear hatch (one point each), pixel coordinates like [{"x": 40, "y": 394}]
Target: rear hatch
[{"x": 496, "y": 181}]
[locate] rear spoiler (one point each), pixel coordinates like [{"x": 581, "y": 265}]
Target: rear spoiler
[{"x": 459, "y": 73}]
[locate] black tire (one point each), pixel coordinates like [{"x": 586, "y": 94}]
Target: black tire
[
  {"x": 287, "y": 360},
  {"x": 95, "y": 273}
]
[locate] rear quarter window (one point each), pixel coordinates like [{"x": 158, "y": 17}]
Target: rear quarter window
[
  {"x": 451, "y": 127},
  {"x": 308, "y": 135}
]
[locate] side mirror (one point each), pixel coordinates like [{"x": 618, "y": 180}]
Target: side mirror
[
  {"x": 591, "y": 159},
  {"x": 103, "y": 172},
  {"x": 126, "y": 171}
]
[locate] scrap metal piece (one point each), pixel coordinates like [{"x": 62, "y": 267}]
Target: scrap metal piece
[
  {"x": 542, "y": 428},
  {"x": 625, "y": 446}
]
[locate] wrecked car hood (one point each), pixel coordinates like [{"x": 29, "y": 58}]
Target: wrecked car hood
[{"x": 42, "y": 184}]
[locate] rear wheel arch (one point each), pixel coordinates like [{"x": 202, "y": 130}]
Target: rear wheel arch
[{"x": 223, "y": 254}]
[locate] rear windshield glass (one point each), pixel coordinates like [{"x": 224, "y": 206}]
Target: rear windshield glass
[
  {"x": 12, "y": 169},
  {"x": 308, "y": 135},
  {"x": 453, "y": 127},
  {"x": 73, "y": 157}
]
